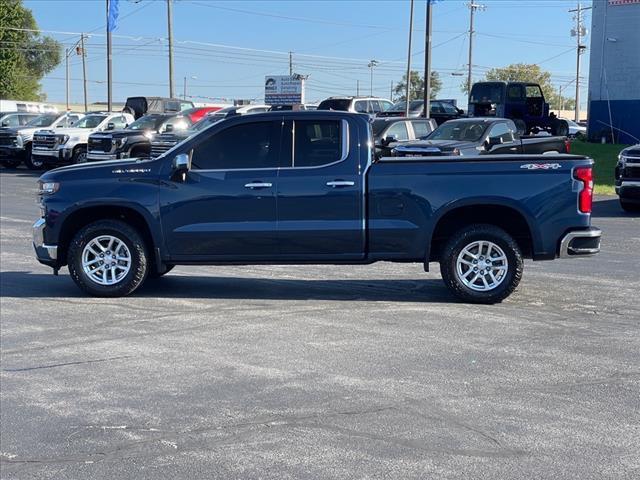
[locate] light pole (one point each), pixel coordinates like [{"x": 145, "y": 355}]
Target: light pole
[
  {"x": 408, "y": 80},
  {"x": 472, "y": 7},
  {"x": 170, "y": 41},
  {"x": 371, "y": 65},
  {"x": 184, "y": 86}
]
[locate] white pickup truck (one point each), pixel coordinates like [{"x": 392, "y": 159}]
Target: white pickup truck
[{"x": 69, "y": 145}]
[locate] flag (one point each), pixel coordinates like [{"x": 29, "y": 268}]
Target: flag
[{"x": 112, "y": 15}]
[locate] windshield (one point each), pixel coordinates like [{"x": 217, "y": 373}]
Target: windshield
[
  {"x": 341, "y": 104},
  {"x": 148, "y": 122},
  {"x": 42, "y": 121},
  {"x": 90, "y": 121},
  {"x": 414, "y": 106},
  {"x": 459, "y": 131},
  {"x": 487, "y": 93}
]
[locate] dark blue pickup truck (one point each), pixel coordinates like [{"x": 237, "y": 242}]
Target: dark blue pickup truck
[{"x": 304, "y": 187}]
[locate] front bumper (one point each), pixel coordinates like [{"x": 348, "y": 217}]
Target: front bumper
[
  {"x": 629, "y": 190},
  {"x": 93, "y": 156},
  {"x": 11, "y": 152},
  {"x": 46, "y": 254},
  {"x": 580, "y": 243},
  {"x": 53, "y": 156}
]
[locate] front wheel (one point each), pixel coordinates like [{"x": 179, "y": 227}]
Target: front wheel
[
  {"x": 481, "y": 264},
  {"x": 108, "y": 258},
  {"x": 80, "y": 155},
  {"x": 627, "y": 206},
  {"x": 30, "y": 162},
  {"x": 560, "y": 128}
]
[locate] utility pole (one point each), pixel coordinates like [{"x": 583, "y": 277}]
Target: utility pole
[
  {"x": 371, "y": 65},
  {"x": 170, "y": 36},
  {"x": 427, "y": 63},
  {"x": 84, "y": 71},
  {"x": 109, "y": 78},
  {"x": 357, "y": 88},
  {"x": 408, "y": 80},
  {"x": 472, "y": 7},
  {"x": 290, "y": 64},
  {"x": 578, "y": 32},
  {"x": 66, "y": 68}
]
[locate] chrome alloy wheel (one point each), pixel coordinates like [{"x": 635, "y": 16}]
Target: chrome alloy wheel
[
  {"x": 106, "y": 260},
  {"x": 482, "y": 266}
]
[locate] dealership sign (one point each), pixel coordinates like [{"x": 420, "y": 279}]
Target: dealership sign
[{"x": 283, "y": 89}]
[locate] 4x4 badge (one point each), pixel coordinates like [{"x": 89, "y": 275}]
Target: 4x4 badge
[{"x": 541, "y": 166}]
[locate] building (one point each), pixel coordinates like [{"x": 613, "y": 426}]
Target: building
[{"x": 614, "y": 71}]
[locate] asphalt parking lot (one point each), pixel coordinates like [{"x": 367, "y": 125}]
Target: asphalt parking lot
[{"x": 319, "y": 372}]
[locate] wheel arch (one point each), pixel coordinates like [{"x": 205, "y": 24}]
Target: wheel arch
[
  {"x": 130, "y": 214},
  {"x": 501, "y": 212}
]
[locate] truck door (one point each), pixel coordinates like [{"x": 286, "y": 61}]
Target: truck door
[
  {"x": 501, "y": 140},
  {"x": 320, "y": 191},
  {"x": 226, "y": 206}
]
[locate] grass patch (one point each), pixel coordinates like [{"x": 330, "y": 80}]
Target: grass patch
[{"x": 606, "y": 157}]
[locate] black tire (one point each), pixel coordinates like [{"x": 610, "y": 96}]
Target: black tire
[
  {"x": 560, "y": 128},
  {"x": 134, "y": 242},
  {"x": 80, "y": 154},
  {"x": 30, "y": 163},
  {"x": 628, "y": 206},
  {"x": 154, "y": 273},
  {"x": 487, "y": 233},
  {"x": 7, "y": 163}
]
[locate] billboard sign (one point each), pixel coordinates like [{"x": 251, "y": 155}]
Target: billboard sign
[{"x": 283, "y": 89}]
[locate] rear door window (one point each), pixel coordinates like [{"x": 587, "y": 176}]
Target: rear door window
[
  {"x": 361, "y": 106},
  {"x": 399, "y": 131},
  {"x": 420, "y": 128},
  {"x": 316, "y": 143},
  {"x": 375, "y": 106},
  {"x": 501, "y": 130},
  {"x": 118, "y": 122}
]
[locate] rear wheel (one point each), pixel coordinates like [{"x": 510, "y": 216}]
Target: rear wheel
[
  {"x": 108, "y": 258},
  {"x": 481, "y": 264}
]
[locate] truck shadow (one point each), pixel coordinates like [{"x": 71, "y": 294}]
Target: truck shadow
[
  {"x": 610, "y": 208},
  {"x": 21, "y": 284}
]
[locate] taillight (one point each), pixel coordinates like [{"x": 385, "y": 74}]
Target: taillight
[
  {"x": 585, "y": 197},
  {"x": 567, "y": 145}
]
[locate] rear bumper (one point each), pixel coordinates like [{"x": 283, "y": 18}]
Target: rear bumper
[
  {"x": 580, "y": 243},
  {"x": 46, "y": 254}
]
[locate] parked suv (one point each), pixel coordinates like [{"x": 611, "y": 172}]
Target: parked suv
[
  {"x": 370, "y": 105},
  {"x": 69, "y": 145},
  {"x": 389, "y": 132},
  {"x": 15, "y": 143},
  {"x": 133, "y": 141},
  {"x": 628, "y": 178}
]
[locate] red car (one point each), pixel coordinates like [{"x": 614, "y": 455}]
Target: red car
[{"x": 197, "y": 113}]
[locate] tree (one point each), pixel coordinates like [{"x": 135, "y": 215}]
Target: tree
[
  {"x": 523, "y": 72},
  {"x": 25, "y": 56},
  {"x": 416, "y": 86}
]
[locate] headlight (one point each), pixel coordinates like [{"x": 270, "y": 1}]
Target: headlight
[
  {"x": 63, "y": 139},
  {"x": 622, "y": 160},
  {"x": 148, "y": 134},
  {"x": 19, "y": 141},
  {"x": 48, "y": 188}
]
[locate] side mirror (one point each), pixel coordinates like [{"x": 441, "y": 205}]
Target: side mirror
[
  {"x": 111, "y": 126},
  {"x": 168, "y": 128},
  {"x": 5, "y": 124},
  {"x": 390, "y": 139},
  {"x": 181, "y": 163},
  {"x": 493, "y": 141}
]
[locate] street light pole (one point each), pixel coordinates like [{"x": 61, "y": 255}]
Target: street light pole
[
  {"x": 371, "y": 65},
  {"x": 84, "y": 72},
  {"x": 66, "y": 68},
  {"x": 472, "y": 7},
  {"x": 427, "y": 63},
  {"x": 579, "y": 32},
  {"x": 109, "y": 77},
  {"x": 170, "y": 38},
  {"x": 408, "y": 80}
]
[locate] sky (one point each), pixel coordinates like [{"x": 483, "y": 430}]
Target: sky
[{"x": 225, "y": 48}]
